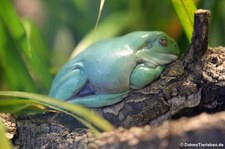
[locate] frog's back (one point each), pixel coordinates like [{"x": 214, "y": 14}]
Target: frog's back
[{"x": 108, "y": 65}]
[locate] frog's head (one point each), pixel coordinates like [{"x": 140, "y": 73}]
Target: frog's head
[{"x": 156, "y": 48}]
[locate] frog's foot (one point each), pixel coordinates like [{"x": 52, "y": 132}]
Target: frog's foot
[
  {"x": 143, "y": 75},
  {"x": 99, "y": 100}
]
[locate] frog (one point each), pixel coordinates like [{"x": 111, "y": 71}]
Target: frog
[{"x": 105, "y": 72}]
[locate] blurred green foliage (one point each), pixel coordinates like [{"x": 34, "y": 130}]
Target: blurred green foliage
[
  {"x": 217, "y": 30},
  {"x": 37, "y": 37},
  {"x": 36, "y": 44}
]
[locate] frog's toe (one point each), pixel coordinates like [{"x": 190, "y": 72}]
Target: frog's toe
[{"x": 99, "y": 100}]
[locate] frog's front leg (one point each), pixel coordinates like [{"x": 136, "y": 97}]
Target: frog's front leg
[
  {"x": 144, "y": 75},
  {"x": 71, "y": 83},
  {"x": 99, "y": 100}
]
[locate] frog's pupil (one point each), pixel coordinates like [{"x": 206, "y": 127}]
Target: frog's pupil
[{"x": 163, "y": 41}]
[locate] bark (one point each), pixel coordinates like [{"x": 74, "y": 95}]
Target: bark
[
  {"x": 9, "y": 122},
  {"x": 189, "y": 86},
  {"x": 201, "y": 131}
]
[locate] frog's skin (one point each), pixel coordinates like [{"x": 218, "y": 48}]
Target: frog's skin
[{"x": 105, "y": 72}]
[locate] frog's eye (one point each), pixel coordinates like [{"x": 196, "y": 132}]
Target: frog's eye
[{"x": 163, "y": 41}]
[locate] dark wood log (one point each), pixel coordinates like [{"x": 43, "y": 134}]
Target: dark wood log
[{"x": 201, "y": 131}]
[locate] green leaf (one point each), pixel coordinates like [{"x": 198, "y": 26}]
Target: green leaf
[
  {"x": 14, "y": 69},
  {"x": 35, "y": 57},
  {"x": 20, "y": 33},
  {"x": 185, "y": 10},
  {"x": 21, "y": 106},
  {"x": 14, "y": 25},
  {"x": 99, "y": 15},
  {"x": 4, "y": 142},
  {"x": 65, "y": 107}
]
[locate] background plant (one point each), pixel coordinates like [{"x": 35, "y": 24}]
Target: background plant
[{"x": 35, "y": 47}]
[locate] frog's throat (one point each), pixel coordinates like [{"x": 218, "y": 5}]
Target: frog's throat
[{"x": 157, "y": 59}]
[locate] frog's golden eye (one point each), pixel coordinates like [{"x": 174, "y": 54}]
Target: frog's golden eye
[{"x": 163, "y": 41}]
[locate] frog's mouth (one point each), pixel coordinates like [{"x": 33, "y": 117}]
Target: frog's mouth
[{"x": 158, "y": 59}]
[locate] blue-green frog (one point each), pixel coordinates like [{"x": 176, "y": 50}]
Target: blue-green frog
[{"x": 105, "y": 72}]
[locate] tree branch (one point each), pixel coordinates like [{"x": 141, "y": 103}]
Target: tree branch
[{"x": 179, "y": 87}]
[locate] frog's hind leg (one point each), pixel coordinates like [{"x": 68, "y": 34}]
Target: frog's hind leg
[
  {"x": 85, "y": 91},
  {"x": 99, "y": 100},
  {"x": 71, "y": 83}
]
